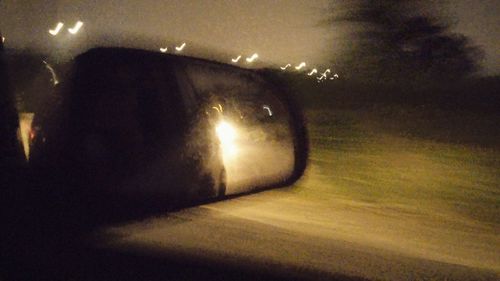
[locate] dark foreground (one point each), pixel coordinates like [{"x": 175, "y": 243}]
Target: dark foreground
[{"x": 377, "y": 203}]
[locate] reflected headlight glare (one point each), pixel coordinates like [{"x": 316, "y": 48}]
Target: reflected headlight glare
[{"x": 226, "y": 134}]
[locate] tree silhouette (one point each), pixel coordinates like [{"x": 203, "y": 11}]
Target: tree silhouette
[{"x": 390, "y": 44}]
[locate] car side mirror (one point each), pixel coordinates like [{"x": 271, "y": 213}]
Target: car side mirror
[
  {"x": 128, "y": 128},
  {"x": 260, "y": 128}
]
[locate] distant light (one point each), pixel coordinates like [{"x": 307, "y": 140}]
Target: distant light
[
  {"x": 324, "y": 75},
  {"x": 54, "y": 76},
  {"x": 285, "y": 67},
  {"x": 3, "y": 39},
  {"x": 252, "y": 58},
  {"x": 235, "y": 60},
  {"x": 312, "y": 72},
  {"x": 300, "y": 66},
  {"x": 181, "y": 47},
  {"x": 76, "y": 28},
  {"x": 164, "y": 50},
  {"x": 268, "y": 108},
  {"x": 336, "y": 75},
  {"x": 56, "y": 30}
]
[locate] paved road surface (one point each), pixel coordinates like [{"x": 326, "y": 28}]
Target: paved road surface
[{"x": 277, "y": 230}]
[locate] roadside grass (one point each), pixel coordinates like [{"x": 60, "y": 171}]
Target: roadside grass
[{"x": 416, "y": 159}]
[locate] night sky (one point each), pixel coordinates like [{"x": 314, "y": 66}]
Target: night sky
[{"x": 279, "y": 31}]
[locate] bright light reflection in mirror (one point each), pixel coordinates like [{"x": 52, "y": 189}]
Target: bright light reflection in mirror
[
  {"x": 312, "y": 72},
  {"x": 285, "y": 67},
  {"x": 226, "y": 133},
  {"x": 268, "y": 109},
  {"x": 52, "y": 72}
]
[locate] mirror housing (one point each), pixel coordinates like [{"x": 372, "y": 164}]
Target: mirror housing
[{"x": 135, "y": 127}]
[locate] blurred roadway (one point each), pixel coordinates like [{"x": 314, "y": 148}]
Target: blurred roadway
[
  {"x": 278, "y": 230},
  {"x": 371, "y": 205}
]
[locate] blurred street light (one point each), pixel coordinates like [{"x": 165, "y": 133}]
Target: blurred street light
[
  {"x": 252, "y": 58},
  {"x": 235, "y": 60},
  {"x": 52, "y": 72},
  {"x": 300, "y": 66},
  {"x": 218, "y": 108},
  {"x": 285, "y": 67},
  {"x": 56, "y": 30},
  {"x": 180, "y": 48},
  {"x": 163, "y": 50},
  {"x": 76, "y": 28},
  {"x": 268, "y": 109},
  {"x": 312, "y": 72},
  {"x": 335, "y": 76},
  {"x": 3, "y": 39}
]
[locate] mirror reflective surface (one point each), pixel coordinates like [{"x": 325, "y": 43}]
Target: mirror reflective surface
[{"x": 253, "y": 125}]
